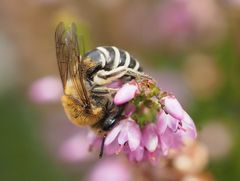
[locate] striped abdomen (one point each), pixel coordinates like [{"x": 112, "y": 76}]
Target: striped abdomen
[
  {"x": 111, "y": 57},
  {"x": 113, "y": 63}
]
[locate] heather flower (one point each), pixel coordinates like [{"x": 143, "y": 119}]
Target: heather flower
[
  {"x": 45, "y": 90},
  {"x": 172, "y": 106},
  {"x": 154, "y": 123},
  {"x": 127, "y": 132},
  {"x": 150, "y": 137},
  {"x": 75, "y": 149},
  {"x": 110, "y": 170},
  {"x": 126, "y": 93}
]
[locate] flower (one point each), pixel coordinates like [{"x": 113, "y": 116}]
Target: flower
[
  {"x": 172, "y": 107},
  {"x": 127, "y": 132},
  {"x": 45, "y": 90},
  {"x": 126, "y": 93},
  {"x": 154, "y": 123},
  {"x": 150, "y": 137},
  {"x": 174, "y": 125},
  {"x": 76, "y": 148},
  {"x": 109, "y": 170}
]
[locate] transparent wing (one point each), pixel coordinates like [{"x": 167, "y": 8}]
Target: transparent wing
[
  {"x": 72, "y": 67},
  {"x": 62, "y": 53}
]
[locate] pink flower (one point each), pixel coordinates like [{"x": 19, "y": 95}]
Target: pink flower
[
  {"x": 110, "y": 170},
  {"x": 136, "y": 155},
  {"x": 189, "y": 127},
  {"x": 127, "y": 133},
  {"x": 126, "y": 93},
  {"x": 173, "y": 132},
  {"x": 46, "y": 89},
  {"x": 172, "y": 107},
  {"x": 153, "y": 125},
  {"x": 150, "y": 139},
  {"x": 75, "y": 149},
  {"x": 186, "y": 125}
]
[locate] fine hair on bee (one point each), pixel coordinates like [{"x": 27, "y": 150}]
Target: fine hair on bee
[{"x": 87, "y": 99}]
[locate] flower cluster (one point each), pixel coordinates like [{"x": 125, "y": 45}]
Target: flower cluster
[{"x": 154, "y": 123}]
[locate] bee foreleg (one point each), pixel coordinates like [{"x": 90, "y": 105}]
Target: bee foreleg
[{"x": 106, "y": 77}]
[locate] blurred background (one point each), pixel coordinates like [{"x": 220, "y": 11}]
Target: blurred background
[{"x": 190, "y": 47}]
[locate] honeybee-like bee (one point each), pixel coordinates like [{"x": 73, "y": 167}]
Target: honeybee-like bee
[{"x": 87, "y": 99}]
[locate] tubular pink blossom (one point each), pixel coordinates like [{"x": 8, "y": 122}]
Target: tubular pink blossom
[
  {"x": 110, "y": 170},
  {"x": 150, "y": 137},
  {"x": 134, "y": 136},
  {"x": 125, "y": 94},
  {"x": 148, "y": 140},
  {"x": 189, "y": 126},
  {"x": 165, "y": 120},
  {"x": 113, "y": 134},
  {"x": 129, "y": 110},
  {"x": 128, "y": 131},
  {"x": 137, "y": 155},
  {"x": 172, "y": 107}
]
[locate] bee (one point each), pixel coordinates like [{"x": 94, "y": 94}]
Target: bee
[{"x": 87, "y": 99}]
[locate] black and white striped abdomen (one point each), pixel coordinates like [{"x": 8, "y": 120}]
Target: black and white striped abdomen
[{"x": 111, "y": 57}]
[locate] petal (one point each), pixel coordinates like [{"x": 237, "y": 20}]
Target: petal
[
  {"x": 150, "y": 138},
  {"x": 173, "y": 107},
  {"x": 123, "y": 136},
  {"x": 177, "y": 140},
  {"x": 170, "y": 140},
  {"x": 161, "y": 122},
  {"x": 129, "y": 110},
  {"x": 189, "y": 127},
  {"x": 115, "y": 84},
  {"x": 125, "y": 94},
  {"x": 165, "y": 142},
  {"x": 110, "y": 170},
  {"x": 165, "y": 120},
  {"x": 113, "y": 134},
  {"x": 134, "y": 135},
  {"x": 136, "y": 155},
  {"x": 113, "y": 148},
  {"x": 75, "y": 149},
  {"x": 46, "y": 89},
  {"x": 139, "y": 154},
  {"x": 172, "y": 122},
  {"x": 153, "y": 157}
]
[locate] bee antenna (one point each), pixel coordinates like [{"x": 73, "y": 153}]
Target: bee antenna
[{"x": 102, "y": 147}]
